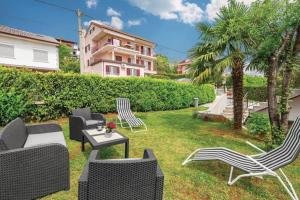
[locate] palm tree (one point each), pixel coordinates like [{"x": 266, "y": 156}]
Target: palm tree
[{"x": 224, "y": 44}]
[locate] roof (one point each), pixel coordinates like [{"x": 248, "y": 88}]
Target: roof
[
  {"x": 24, "y": 34},
  {"x": 65, "y": 41},
  {"x": 102, "y": 25},
  {"x": 185, "y": 61}
]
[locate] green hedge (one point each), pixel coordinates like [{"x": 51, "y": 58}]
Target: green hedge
[
  {"x": 256, "y": 93},
  {"x": 62, "y": 92},
  {"x": 169, "y": 76},
  {"x": 255, "y": 86}
]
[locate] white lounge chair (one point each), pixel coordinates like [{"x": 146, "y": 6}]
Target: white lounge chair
[
  {"x": 125, "y": 116},
  {"x": 265, "y": 163}
]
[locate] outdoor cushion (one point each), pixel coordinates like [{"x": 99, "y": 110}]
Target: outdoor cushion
[
  {"x": 45, "y": 138},
  {"x": 83, "y": 112},
  {"x": 13, "y": 135},
  {"x": 93, "y": 122}
]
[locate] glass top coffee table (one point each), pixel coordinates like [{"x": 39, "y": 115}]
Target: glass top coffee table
[{"x": 98, "y": 139}]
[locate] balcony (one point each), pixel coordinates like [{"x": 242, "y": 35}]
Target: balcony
[
  {"x": 123, "y": 48},
  {"x": 98, "y": 60}
]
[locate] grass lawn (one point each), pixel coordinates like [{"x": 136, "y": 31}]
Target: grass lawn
[{"x": 173, "y": 135}]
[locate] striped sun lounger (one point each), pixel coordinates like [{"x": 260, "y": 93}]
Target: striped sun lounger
[
  {"x": 125, "y": 116},
  {"x": 265, "y": 163}
]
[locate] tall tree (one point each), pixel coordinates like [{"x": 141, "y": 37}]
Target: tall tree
[
  {"x": 224, "y": 44},
  {"x": 276, "y": 31}
]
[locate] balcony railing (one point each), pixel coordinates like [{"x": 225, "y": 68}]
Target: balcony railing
[
  {"x": 127, "y": 46},
  {"x": 145, "y": 52},
  {"x": 98, "y": 60}
]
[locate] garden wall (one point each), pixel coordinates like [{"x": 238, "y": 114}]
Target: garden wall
[{"x": 43, "y": 96}]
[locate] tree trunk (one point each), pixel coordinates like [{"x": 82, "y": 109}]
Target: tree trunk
[
  {"x": 287, "y": 76},
  {"x": 272, "y": 84},
  {"x": 271, "y": 91},
  {"x": 238, "y": 94}
]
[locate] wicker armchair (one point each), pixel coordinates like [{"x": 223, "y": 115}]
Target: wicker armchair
[
  {"x": 34, "y": 161},
  {"x": 83, "y": 118},
  {"x": 121, "y": 179}
]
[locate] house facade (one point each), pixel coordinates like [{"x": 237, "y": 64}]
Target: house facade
[
  {"x": 113, "y": 53},
  {"x": 182, "y": 67},
  {"x": 28, "y": 50}
]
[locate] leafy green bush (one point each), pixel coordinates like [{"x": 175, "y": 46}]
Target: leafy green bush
[
  {"x": 12, "y": 105},
  {"x": 256, "y": 93},
  {"x": 169, "y": 76},
  {"x": 62, "y": 92},
  {"x": 255, "y": 86},
  {"x": 258, "y": 124}
]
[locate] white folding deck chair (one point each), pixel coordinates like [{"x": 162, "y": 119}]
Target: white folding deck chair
[
  {"x": 265, "y": 163},
  {"x": 125, "y": 116}
]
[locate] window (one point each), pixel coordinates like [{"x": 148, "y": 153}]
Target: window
[
  {"x": 40, "y": 56},
  {"x": 112, "y": 70},
  {"x": 142, "y": 62},
  {"x": 87, "y": 48},
  {"x": 133, "y": 72},
  {"x": 119, "y": 58},
  {"x": 149, "y": 52},
  {"x": 129, "y": 60},
  {"x": 88, "y": 62},
  {"x": 7, "y": 51},
  {"x": 149, "y": 65},
  {"x": 116, "y": 42}
]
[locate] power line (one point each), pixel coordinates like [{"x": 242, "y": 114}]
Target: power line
[{"x": 56, "y": 5}]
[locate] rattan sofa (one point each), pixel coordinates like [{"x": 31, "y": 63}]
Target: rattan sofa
[
  {"x": 34, "y": 161},
  {"x": 117, "y": 179},
  {"x": 83, "y": 118}
]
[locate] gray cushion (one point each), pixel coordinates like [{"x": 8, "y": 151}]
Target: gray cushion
[
  {"x": 83, "y": 112},
  {"x": 93, "y": 122},
  {"x": 13, "y": 135},
  {"x": 45, "y": 138}
]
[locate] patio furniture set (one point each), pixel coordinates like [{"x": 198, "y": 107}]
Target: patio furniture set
[{"x": 34, "y": 162}]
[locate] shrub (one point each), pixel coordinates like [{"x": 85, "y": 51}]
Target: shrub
[
  {"x": 12, "y": 105},
  {"x": 62, "y": 92},
  {"x": 256, "y": 93},
  {"x": 255, "y": 86},
  {"x": 258, "y": 124}
]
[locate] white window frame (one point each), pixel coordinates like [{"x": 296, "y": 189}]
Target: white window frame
[
  {"x": 40, "y": 60},
  {"x": 6, "y": 44},
  {"x": 133, "y": 72},
  {"x": 111, "y": 71}
]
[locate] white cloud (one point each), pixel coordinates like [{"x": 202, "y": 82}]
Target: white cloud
[
  {"x": 180, "y": 10},
  {"x": 111, "y": 12},
  {"x": 212, "y": 8},
  {"x": 86, "y": 24},
  {"x": 134, "y": 22},
  {"x": 91, "y": 3},
  {"x": 116, "y": 22}
]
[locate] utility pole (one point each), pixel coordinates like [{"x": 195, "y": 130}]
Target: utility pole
[{"x": 81, "y": 39}]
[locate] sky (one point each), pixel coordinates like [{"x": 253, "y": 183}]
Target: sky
[{"x": 170, "y": 24}]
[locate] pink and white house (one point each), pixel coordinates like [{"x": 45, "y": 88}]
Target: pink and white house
[
  {"x": 183, "y": 66},
  {"x": 114, "y": 53}
]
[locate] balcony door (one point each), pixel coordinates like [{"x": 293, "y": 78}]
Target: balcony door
[{"x": 116, "y": 42}]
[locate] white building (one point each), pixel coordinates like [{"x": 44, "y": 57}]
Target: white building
[{"x": 28, "y": 50}]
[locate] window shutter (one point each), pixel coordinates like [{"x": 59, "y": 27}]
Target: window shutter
[
  {"x": 107, "y": 69},
  {"x": 118, "y": 70},
  {"x": 128, "y": 71},
  {"x": 6, "y": 51},
  {"x": 40, "y": 55},
  {"x": 138, "y": 73}
]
